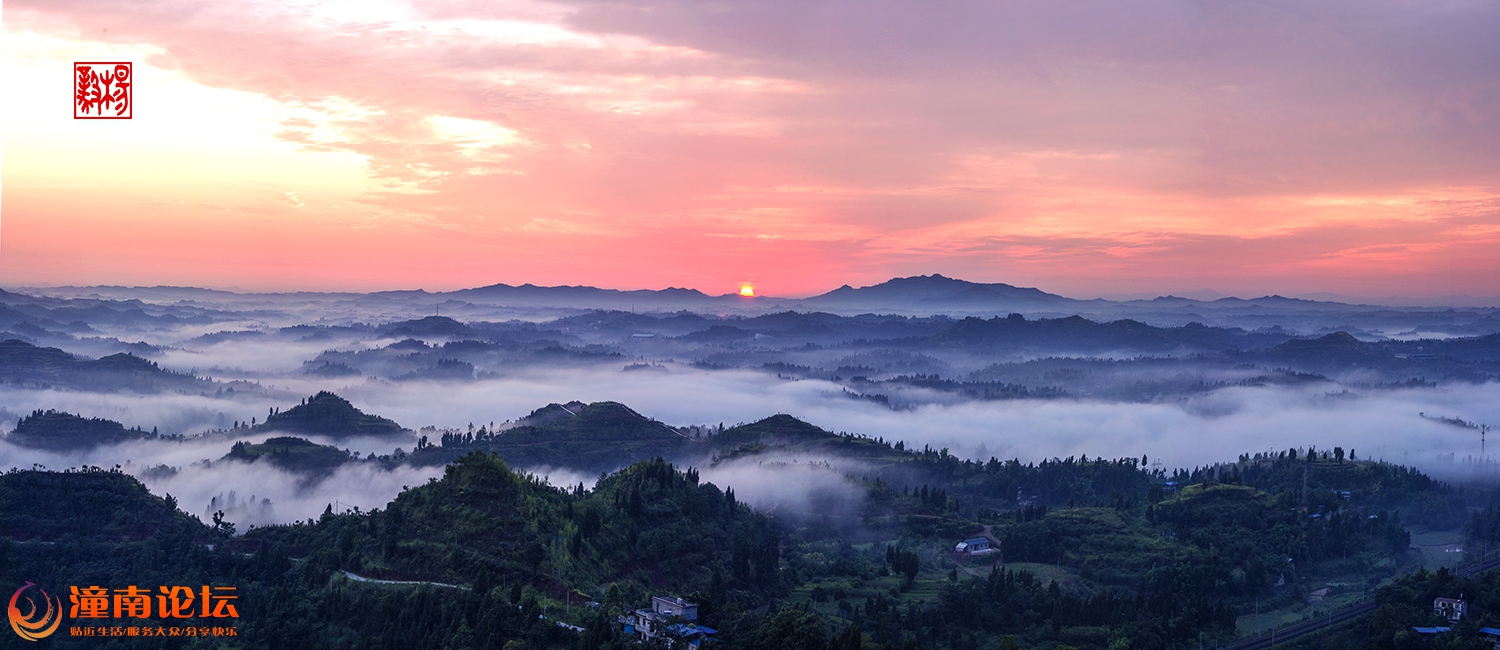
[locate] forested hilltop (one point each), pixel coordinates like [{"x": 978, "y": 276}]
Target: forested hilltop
[{"x": 488, "y": 557}]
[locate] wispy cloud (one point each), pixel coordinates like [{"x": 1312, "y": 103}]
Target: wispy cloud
[{"x": 805, "y": 146}]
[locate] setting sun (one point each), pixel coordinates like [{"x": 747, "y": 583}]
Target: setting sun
[{"x": 747, "y": 291}]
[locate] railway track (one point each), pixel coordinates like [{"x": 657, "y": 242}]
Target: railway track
[
  {"x": 1306, "y": 627},
  {"x": 1353, "y": 611}
]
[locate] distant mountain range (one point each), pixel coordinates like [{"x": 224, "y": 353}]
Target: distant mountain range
[
  {"x": 919, "y": 294},
  {"x": 24, "y": 364},
  {"x": 94, "y": 320},
  {"x": 940, "y": 294},
  {"x": 925, "y": 294},
  {"x": 922, "y": 293}
]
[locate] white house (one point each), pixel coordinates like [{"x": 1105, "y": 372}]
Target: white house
[{"x": 1452, "y": 609}]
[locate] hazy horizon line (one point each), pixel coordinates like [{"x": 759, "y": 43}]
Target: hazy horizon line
[{"x": 1204, "y": 294}]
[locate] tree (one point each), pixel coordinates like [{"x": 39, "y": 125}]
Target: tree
[
  {"x": 224, "y": 529},
  {"x": 792, "y": 628},
  {"x": 848, "y": 639}
]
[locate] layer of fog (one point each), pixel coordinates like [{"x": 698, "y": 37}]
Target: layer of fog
[
  {"x": 795, "y": 486},
  {"x": 169, "y": 413},
  {"x": 254, "y": 357},
  {"x": 195, "y": 476},
  {"x": 1185, "y": 432},
  {"x": 1188, "y": 431}
]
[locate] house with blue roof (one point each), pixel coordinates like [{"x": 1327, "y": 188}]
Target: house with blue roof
[{"x": 974, "y": 546}]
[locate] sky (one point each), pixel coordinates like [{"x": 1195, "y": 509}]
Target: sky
[{"x": 1083, "y": 147}]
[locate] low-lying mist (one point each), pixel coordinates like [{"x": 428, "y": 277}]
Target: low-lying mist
[
  {"x": 190, "y": 470},
  {"x": 1187, "y": 431},
  {"x": 791, "y": 486}
]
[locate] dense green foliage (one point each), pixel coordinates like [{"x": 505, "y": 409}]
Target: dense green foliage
[
  {"x": 91, "y": 504},
  {"x": 293, "y": 454},
  {"x": 594, "y": 438},
  {"x": 1326, "y": 474},
  {"x": 510, "y": 542},
  {"x": 1407, "y": 604},
  {"x": 33, "y": 366},
  {"x": 489, "y": 557},
  {"x": 55, "y": 430}
]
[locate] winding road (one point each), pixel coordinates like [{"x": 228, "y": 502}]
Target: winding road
[{"x": 402, "y": 582}]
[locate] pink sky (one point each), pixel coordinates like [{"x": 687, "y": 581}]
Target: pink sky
[{"x": 1086, "y": 148}]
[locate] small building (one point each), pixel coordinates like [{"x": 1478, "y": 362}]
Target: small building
[
  {"x": 1453, "y": 609},
  {"x": 1492, "y": 635},
  {"x": 670, "y": 620},
  {"x": 973, "y": 546},
  {"x": 669, "y": 606}
]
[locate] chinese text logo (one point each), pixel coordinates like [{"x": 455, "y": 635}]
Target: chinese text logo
[
  {"x": 169, "y": 602},
  {"x": 34, "y": 625},
  {"x": 177, "y": 611},
  {"x": 102, "y": 90}
]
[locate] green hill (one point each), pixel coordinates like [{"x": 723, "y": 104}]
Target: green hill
[
  {"x": 502, "y": 545},
  {"x": 486, "y": 557},
  {"x": 289, "y": 453},
  {"x": 57, "y": 431},
  {"x": 648, "y": 521},
  {"x": 1339, "y": 349},
  {"x": 93, "y": 503},
  {"x": 330, "y": 415},
  {"x": 597, "y": 437},
  {"x": 27, "y": 364},
  {"x": 788, "y": 435}
]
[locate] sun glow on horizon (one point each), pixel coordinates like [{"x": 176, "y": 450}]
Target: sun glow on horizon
[{"x": 443, "y": 149}]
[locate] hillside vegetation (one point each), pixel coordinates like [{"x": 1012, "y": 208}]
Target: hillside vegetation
[
  {"x": 58, "y": 431},
  {"x": 328, "y": 414}
]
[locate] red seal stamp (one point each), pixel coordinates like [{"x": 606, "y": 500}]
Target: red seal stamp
[{"x": 103, "y": 90}]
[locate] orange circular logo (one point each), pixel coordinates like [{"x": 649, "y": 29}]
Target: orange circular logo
[{"x": 30, "y": 625}]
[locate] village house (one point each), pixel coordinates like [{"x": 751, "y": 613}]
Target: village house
[
  {"x": 1453, "y": 609},
  {"x": 670, "y": 620},
  {"x": 973, "y": 546},
  {"x": 1489, "y": 633}
]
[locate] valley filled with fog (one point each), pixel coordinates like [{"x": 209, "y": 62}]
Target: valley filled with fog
[{"x": 929, "y": 362}]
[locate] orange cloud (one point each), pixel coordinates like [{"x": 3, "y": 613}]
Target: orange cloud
[{"x": 1079, "y": 146}]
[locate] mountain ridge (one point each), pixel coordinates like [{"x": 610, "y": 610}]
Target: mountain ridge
[{"x": 932, "y": 293}]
